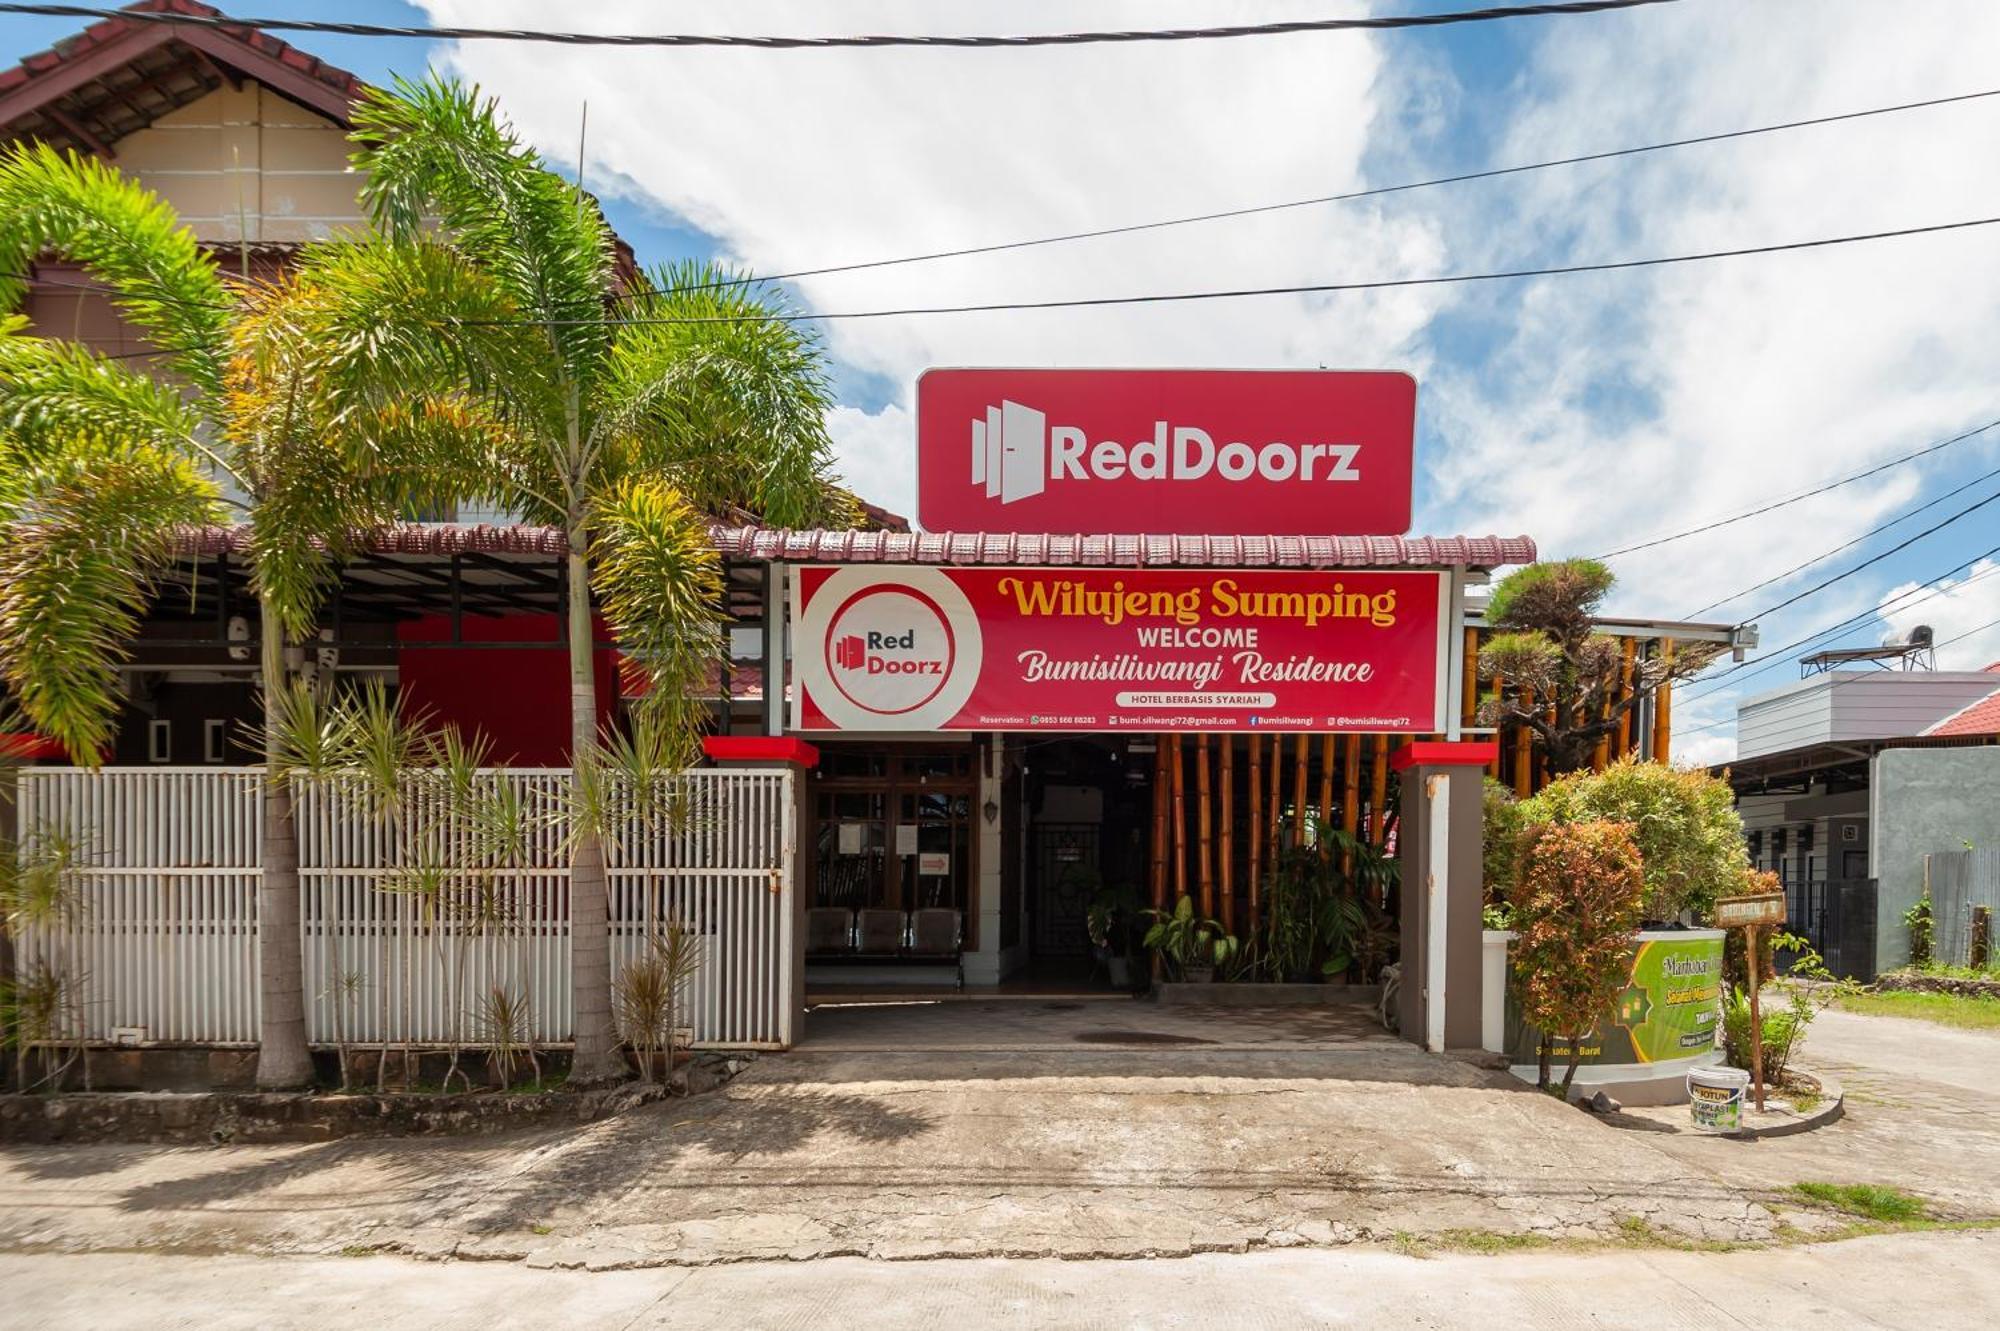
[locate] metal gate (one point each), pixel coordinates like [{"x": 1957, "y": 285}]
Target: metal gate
[
  {"x": 164, "y": 866},
  {"x": 1067, "y": 876}
]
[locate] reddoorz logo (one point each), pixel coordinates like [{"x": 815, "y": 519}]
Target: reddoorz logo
[
  {"x": 863, "y": 652},
  {"x": 1016, "y": 453}
]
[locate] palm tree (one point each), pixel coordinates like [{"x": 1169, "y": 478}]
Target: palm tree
[
  {"x": 633, "y": 407},
  {"x": 104, "y": 462}
]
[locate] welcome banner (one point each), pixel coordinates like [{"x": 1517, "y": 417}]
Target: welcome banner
[{"x": 928, "y": 649}]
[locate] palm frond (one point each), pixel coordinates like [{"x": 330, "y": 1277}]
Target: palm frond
[
  {"x": 76, "y": 571},
  {"x": 437, "y": 149},
  {"x": 730, "y": 406},
  {"x": 52, "y": 391},
  {"x": 122, "y": 233}
]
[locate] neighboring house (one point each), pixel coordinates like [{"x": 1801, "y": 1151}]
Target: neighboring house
[{"x": 1851, "y": 777}]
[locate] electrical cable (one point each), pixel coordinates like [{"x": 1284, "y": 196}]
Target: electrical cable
[
  {"x": 1254, "y": 210},
  {"x": 1925, "y": 451},
  {"x": 1381, "y": 23},
  {"x": 1315, "y": 288},
  {"x": 1902, "y": 517}
]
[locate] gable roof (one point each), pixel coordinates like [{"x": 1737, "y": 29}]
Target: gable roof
[
  {"x": 1976, "y": 718},
  {"x": 119, "y": 75}
]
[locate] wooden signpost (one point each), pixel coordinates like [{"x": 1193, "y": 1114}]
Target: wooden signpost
[{"x": 1752, "y": 913}]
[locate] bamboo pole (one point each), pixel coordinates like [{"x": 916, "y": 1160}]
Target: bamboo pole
[
  {"x": 1179, "y": 821},
  {"x": 1524, "y": 749},
  {"x": 1378, "y": 791},
  {"x": 1159, "y": 858},
  {"x": 1223, "y": 860},
  {"x": 1624, "y": 692},
  {"x": 1469, "y": 700},
  {"x": 1350, "y": 787},
  {"x": 1277, "y": 800},
  {"x": 1327, "y": 745},
  {"x": 1300, "y": 790},
  {"x": 1256, "y": 846},
  {"x": 1601, "y": 755},
  {"x": 1663, "y": 710},
  {"x": 1204, "y": 858},
  {"x": 1499, "y": 732}
]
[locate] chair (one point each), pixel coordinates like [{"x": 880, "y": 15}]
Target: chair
[
  {"x": 829, "y": 931},
  {"x": 878, "y": 932},
  {"x": 937, "y": 933}
]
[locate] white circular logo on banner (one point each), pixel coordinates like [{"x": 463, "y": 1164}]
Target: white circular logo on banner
[{"x": 889, "y": 652}]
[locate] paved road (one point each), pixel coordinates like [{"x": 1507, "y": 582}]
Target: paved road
[{"x": 1934, "y": 1282}]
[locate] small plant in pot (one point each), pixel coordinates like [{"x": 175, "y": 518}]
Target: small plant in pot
[
  {"x": 1192, "y": 944},
  {"x": 1113, "y": 913}
]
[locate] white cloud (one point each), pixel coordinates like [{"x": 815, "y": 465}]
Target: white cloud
[
  {"x": 878, "y": 445},
  {"x": 1961, "y": 612},
  {"x": 803, "y": 159}
]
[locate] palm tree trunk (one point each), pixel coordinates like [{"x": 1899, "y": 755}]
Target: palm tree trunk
[
  {"x": 597, "y": 1057},
  {"x": 283, "y": 1061}
]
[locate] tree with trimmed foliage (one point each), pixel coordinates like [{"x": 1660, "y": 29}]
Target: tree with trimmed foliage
[
  {"x": 102, "y": 461},
  {"x": 1576, "y": 915},
  {"x": 632, "y": 408},
  {"x": 1683, "y": 820},
  {"x": 1547, "y": 648}
]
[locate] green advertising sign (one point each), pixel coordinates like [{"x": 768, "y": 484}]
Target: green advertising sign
[{"x": 1670, "y": 1008}]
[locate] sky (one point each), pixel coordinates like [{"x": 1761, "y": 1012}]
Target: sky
[{"x": 1591, "y": 412}]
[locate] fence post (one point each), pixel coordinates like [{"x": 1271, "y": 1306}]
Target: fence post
[{"x": 1980, "y": 949}]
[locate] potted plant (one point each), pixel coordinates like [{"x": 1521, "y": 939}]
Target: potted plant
[
  {"x": 1192, "y": 944},
  {"x": 1112, "y": 913}
]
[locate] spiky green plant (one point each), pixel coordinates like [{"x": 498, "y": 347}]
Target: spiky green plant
[
  {"x": 262, "y": 417},
  {"x": 633, "y": 406},
  {"x": 507, "y": 1025},
  {"x": 648, "y": 989}
]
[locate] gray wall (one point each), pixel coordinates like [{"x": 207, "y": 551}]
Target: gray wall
[
  {"x": 1846, "y": 704},
  {"x": 1924, "y": 800}
]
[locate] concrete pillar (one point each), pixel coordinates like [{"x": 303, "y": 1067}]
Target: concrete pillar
[
  {"x": 985, "y": 964},
  {"x": 1439, "y": 1005}
]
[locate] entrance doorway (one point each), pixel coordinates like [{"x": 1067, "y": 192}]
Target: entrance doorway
[
  {"x": 893, "y": 830},
  {"x": 1086, "y": 830}
]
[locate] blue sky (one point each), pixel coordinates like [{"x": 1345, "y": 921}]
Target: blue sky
[{"x": 1589, "y": 412}]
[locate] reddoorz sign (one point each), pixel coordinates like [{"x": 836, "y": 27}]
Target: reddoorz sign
[
  {"x": 927, "y": 649},
  {"x": 1218, "y": 452}
]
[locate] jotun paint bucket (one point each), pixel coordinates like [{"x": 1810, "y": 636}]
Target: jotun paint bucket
[{"x": 1715, "y": 1098}]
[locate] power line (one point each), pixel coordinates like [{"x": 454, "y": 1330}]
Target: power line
[
  {"x": 1872, "y": 560},
  {"x": 1254, "y": 210},
  {"x": 1959, "y": 637},
  {"x": 1317, "y": 288},
  {"x": 1383, "y": 23},
  {"x": 1803, "y": 494},
  {"x": 1915, "y": 595},
  {"x": 1824, "y": 555}
]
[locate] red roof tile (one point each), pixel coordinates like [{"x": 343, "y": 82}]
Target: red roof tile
[
  {"x": 1981, "y": 718},
  {"x": 894, "y": 547}
]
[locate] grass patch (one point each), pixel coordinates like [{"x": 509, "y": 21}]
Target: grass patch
[
  {"x": 1889, "y": 1206},
  {"x": 1960, "y": 1010}
]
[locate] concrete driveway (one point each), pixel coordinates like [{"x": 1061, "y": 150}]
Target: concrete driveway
[{"x": 935, "y": 1130}]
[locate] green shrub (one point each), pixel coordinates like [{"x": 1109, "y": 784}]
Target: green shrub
[
  {"x": 1922, "y": 924},
  {"x": 1683, "y": 821},
  {"x": 1500, "y": 837}
]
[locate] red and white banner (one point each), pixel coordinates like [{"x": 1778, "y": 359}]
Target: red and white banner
[
  {"x": 1200, "y": 452},
  {"x": 929, "y": 649}
]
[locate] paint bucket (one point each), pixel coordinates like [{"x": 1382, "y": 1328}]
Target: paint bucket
[{"x": 1715, "y": 1098}]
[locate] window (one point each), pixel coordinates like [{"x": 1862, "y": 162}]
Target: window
[
  {"x": 214, "y": 740},
  {"x": 159, "y": 741}
]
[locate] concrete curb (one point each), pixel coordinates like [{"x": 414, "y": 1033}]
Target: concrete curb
[
  {"x": 1173, "y": 994},
  {"x": 1832, "y": 1104}
]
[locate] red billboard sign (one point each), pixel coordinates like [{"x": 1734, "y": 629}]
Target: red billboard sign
[
  {"x": 1200, "y": 452},
  {"x": 930, "y": 649}
]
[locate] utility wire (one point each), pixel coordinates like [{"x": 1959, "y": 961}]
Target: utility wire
[
  {"x": 1872, "y": 560},
  {"x": 1254, "y": 210},
  {"x": 1825, "y": 555},
  {"x": 1383, "y": 23},
  {"x": 1803, "y": 494},
  {"x": 1731, "y": 720},
  {"x": 1777, "y": 656},
  {"x": 1316, "y": 288}
]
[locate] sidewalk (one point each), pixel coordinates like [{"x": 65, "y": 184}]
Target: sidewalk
[{"x": 1931, "y": 1281}]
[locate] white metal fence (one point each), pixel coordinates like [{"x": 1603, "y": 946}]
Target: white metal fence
[
  {"x": 166, "y": 866},
  {"x": 1958, "y": 881}
]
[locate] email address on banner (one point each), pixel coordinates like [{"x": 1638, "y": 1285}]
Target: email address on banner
[{"x": 1204, "y": 700}]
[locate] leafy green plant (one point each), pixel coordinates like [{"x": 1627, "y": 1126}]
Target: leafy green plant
[
  {"x": 1114, "y": 911},
  {"x": 1576, "y": 912},
  {"x": 1788, "y": 1008},
  {"x": 1682, "y": 820},
  {"x": 1189, "y": 941},
  {"x": 647, "y": 990},
  {"x": 1320, "y": 916},
  {"x": 1500, "y": 819},
  {"x": 1920, "y": 922}
]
